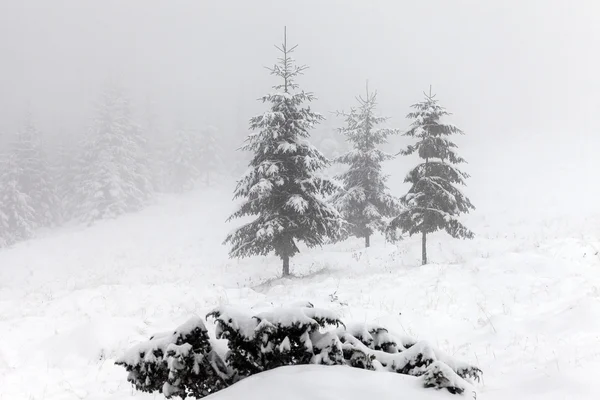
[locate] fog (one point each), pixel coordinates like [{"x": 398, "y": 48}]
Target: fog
[
  {"x": 503, "y": 67},
  {"x": 518, "y": 76},
  {"x": 119, "y": 125}
]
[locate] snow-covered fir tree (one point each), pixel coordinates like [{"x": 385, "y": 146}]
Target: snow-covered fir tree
[
  {"x": 211, "y": 154},
  {"x": 113, "y": 173},
  {"x": 142, "y": 175},
  {"x": 65, "y": 174},
  {"x": 433, "y": 202},
  {"x": 17, "y": 214},
  {"x": 283, "y": 188},
  {"x": 158, "y": 149},
  {"x": 185, "y": 160},
  {"x": 34, "y": 174},
  {"x": 364, "y": 200}
]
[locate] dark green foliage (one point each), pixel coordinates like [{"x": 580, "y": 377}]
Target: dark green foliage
[
  {"x": 414, "y": 365},
  {"x": 358, "y": 359},
  {"x": 327, "y": 349},
  {"x": 469, "y": 372},
  {"x": 284, "y": 345},
  {"x": 433, "y": 201},
  {"x": 364, "y": 200},
  {"x": 286, "y": 336},
  {"x": 196, "y": 373},
  {"x": 378, "y": 338},
  {"x": 283, "y": 189},
  {"x": 364, "y": 345},
  {"x": 291, "y": 337},
  {"x": 440, "y": 376},
  {"x": 238, "y": 329},
  {"x": 183, "y": 363}
]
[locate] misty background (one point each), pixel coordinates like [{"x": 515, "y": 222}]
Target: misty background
[
  {"x": 521, "y": 77},
  {"x": 135, "y": 108}
]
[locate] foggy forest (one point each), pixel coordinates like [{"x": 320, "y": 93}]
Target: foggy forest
[{"x": 299, "y": 199}]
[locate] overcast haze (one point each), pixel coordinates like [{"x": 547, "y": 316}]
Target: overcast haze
[
  {"x": 502, "y": 66},
  {"x": 118, "y": 224},
  {"x": 506, "y": 69}
]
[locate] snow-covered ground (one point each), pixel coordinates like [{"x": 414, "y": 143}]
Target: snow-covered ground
[
  {"x": 324, "y": 383},
  {"x": 522, "y": 300}
]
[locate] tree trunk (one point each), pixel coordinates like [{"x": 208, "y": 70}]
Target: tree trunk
[
  {"x": 286, "y": 265},
  {"x": 367, "y": 241},
  {"x": 424, "y": 242},
  {"x": 424, "y": 249}
]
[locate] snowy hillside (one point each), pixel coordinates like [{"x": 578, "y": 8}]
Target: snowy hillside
[
  {"x": 194, "y": 194},
  {"x": 521, "y": 300}
]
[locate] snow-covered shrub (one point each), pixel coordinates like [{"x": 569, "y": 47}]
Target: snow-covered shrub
[
  {"x": 181, "y": 363},
  {"x": 327, "y": 349},
  {"x": 281, "y": 336},
  {"x": 290, "y": 336},
  {"x": 378, "y": 338},
  {"x": 239, "y": 329},
  {"x": 385, "y": 352},
  {"x": 440, "y": 376}
]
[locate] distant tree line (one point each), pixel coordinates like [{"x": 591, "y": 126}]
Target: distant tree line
[
  {"x": 119, "y": 164},
  {"x": 114, "y": 167}
]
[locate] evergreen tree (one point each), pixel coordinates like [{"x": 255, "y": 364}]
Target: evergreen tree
[
  {"x": 158, "y": 148},
  {"x": 65, "y": 171},
  {"x": 364, "y": 201},
  {"x": 211, "y": 154},
  {"x": 113, "y": 174},
  {"x": 433, "y": 202},
  {"x": 283, "y": 188},
  {"x": 17, "y": 214},
  {"x": 142, "y": 172},
  {"x": 34, "y": 175},
  {"x": 185, "y": 160}
]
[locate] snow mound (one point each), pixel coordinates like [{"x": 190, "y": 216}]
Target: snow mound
[{"x": 309, "y": 382}]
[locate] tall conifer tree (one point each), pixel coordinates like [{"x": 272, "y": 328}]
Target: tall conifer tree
[
  {"x": 185, "y": 160},
  {"x": 211, "y": 154},
  {"x": 114, "y": 177},
  {"x": 433, "y": 202},
  {"x": 34, "y": 174},
  {"x": 17, "y": 214},
  {"x": 283, "y": 188},
  {"x": 364, "y": 200}
]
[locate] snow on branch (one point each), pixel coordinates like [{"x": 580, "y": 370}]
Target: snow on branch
[{"x": 183, "y": 363}]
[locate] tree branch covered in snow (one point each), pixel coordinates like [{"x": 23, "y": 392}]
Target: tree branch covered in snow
[
  {"x": 183, "y": 363},
  {"x": 433, "y": 201},
  {"x": 283, "y": 189},
  {"x": 113, "y": 175},
  {"x": 28, "y": 195},
  {"x": 364, "y": 200}
]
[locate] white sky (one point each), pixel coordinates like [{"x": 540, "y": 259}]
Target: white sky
[{"x": 504, "y": 67}]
